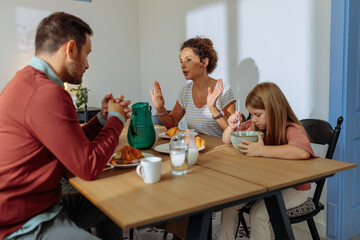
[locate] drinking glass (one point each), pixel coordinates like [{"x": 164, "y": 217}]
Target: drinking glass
[
  {"x": 193, "y": 151},
  {"x": 183, "y": 152},
  {"x": 178, "y": 152}
]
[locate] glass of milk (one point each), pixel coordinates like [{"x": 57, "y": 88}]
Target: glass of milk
[{"x": 183, "y": 152}]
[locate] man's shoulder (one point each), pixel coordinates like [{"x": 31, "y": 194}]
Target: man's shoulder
[{"x": 29, "y": 75}]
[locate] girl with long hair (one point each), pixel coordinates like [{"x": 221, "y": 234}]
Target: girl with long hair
[{"x": 284, "y": 137}]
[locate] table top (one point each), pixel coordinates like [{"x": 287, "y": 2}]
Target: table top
[
  {"x": 271, "y": 173},
  {"x": 130, "y": 202},
  {"x": 123, "y": 196},
  {"x": 221, "y": 175}
]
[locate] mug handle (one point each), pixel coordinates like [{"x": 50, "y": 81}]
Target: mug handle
[{"x": 139, "y": 171}]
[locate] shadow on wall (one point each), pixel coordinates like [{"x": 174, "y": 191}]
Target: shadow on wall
[{"x": 244, "y": 80}]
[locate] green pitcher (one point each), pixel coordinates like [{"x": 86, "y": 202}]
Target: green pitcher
[{"x": 141, "y": 132}]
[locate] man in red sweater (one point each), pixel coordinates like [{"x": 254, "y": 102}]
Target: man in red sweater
[{"x": 40, "y": 138}]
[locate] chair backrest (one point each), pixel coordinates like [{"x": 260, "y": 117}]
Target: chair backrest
[
  {"x": 321, "y": 132},
  {"x": 156, "y": 120}
]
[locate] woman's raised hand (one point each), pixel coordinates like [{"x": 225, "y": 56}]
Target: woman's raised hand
[
  {"x": 214, "y": 95},
  {"x": 157, "y": 97}
]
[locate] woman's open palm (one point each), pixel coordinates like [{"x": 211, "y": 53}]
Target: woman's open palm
[
  {"x": 214, "y": 95},
  {"x": 156, "y": 96}
]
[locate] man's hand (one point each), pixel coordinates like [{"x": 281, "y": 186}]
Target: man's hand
[
  {"x": 117, "y": 105},
  {"x": 104, "y": 105},
  {"x": 124, "y": 104}
]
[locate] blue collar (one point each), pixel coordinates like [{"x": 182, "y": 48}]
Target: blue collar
[{"x": 41, "y": 65}]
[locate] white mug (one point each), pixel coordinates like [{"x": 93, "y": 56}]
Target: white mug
[{"x": 149, "y": 169}]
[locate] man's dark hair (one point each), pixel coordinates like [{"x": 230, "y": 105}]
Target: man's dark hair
[{"x": 58, "y": 28}]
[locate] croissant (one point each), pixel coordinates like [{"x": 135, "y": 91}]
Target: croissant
[
  {"x": 172, "y": 131},
  {"x": 199, "y": 142},
  {"x": 130, "y": 153}
]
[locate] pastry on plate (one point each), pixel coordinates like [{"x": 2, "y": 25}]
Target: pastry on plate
[
  {"x": 199, "y": 142},
  {"x": 130, "y": 153},
  {"x": 172, "y": 131},
  {"x": 126, "y": 155}
]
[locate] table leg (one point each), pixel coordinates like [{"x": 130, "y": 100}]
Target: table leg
[
  {"x": 198, "y": 226},
  {"x": 278, "y": 217}
]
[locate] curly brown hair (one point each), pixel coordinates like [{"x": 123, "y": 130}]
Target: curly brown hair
[{"x": 203, "y": 47}]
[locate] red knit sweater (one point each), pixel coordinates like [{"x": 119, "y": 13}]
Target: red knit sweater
[{"x": 40, "y": 137}]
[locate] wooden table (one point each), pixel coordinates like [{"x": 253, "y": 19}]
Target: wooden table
[
  {"x": 273, "y": 174},
  {"x": 222, "y": 177}
]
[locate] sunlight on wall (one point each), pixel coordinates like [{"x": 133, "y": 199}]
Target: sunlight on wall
[
  {"x": 277, "y": 36},
  {"x": 27, "y": 20},
  {"x": 211, "y": 22}
]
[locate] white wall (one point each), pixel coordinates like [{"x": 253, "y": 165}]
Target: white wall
[
  {"x": 114, "y": 61},
  {"x": 284, "y": 41}
]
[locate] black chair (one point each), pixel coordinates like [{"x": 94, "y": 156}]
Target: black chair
[
  {"x": 320, "y": 132},
  {"x": 156, "y": 120}
]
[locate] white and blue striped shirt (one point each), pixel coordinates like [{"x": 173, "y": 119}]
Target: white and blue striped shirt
[{"x": 201, "y": 119}]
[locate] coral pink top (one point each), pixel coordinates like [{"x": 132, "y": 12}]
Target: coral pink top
[{"x": 296, "y": 136}]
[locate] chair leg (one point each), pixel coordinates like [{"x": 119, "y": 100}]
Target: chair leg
[
  {"x": 313, "y": 230},
  {"x": 131, "y": 234},
  {"x": 240, "y": 214},
  {"x": 243, "y": 222},
  {"x": 246, "y": 229},
  {"x": 209, "y": 236}
]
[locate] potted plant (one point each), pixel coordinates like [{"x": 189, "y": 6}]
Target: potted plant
[{"x": 81, "y": 94}]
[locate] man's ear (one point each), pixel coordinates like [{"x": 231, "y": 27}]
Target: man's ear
[{"x": 71, "y": 49}]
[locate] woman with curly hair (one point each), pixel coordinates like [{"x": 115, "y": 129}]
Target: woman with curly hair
[{"x": 205, "y": 98}]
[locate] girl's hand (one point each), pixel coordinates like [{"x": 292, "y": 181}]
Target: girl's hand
[
  {"x": 234, "y": 119},
  {"x": 213, "y": 96},
  {"x": 157, "y": 98},
  {"x": 254, "y": 149}
]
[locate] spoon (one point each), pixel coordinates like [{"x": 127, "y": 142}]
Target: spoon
[{"x": 239, "y": 118}]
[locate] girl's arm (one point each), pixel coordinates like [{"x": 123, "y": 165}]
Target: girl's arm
[
  {"x": 232, "y": 125},
  {"x": 228, "y": 109},
  {"x": 226, "y": 135},
  {"x": 286, "y": 151}
]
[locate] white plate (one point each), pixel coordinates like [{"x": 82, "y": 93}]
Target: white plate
[
  {"x": 164, "y": 148},
  {"x": 128, "y": 165},
  {"x": 163, "y": 135}
]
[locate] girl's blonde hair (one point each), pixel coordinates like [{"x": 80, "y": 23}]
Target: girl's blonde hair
[{"x": 268, "y": 96}]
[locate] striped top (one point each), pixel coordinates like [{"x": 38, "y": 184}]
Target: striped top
[{"x": 201, "y": 119}]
